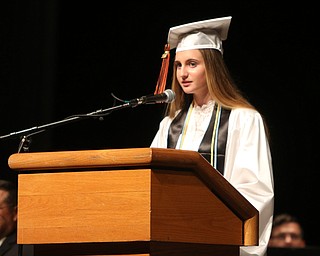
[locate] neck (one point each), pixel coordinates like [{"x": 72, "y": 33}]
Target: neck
[
  {"x": 201, "y": 99},
  {"x": 201, "y": 102}
]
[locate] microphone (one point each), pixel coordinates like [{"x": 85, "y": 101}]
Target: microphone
[{"x": 167, "y": 96}]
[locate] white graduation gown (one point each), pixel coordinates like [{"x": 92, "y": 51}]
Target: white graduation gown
[{"x": 248, "y": 164}]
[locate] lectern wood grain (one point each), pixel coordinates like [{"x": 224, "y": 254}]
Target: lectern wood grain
[{"x": 84, "y": 207}]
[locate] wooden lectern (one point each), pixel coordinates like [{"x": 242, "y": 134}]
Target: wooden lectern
[{"x": 137, "y": 201}]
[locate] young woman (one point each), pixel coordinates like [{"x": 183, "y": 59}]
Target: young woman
[{"x": 211, "y": 116}]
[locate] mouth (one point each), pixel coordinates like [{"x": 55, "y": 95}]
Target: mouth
[{"x": 186, "y": 83}]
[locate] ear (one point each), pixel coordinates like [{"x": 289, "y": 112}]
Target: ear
[{"x": 15, "y": 213}]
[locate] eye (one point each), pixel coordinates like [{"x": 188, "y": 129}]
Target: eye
[{"x": 192, "y": 64}]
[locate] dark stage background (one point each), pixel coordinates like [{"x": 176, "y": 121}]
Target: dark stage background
[{"x": 60, "y": 58}]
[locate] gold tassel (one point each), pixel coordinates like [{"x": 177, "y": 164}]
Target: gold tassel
[{"x": 162, "y": 79}]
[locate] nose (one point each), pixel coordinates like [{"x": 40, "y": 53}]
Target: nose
[
  {"x": 184, "y": 72},
  {"x": 289, "y": 239}
]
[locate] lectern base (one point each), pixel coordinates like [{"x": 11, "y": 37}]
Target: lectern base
[{"x": 135, "y": 248}]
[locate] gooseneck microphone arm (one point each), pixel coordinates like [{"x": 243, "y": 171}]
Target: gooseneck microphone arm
[
  {"x": 166, "y": 97},
  {"x": 27, "y": 133},
  {"x": 41, "y": 128}
]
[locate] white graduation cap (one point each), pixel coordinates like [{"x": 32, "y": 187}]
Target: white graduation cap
[{"x": 200, "y": 35}]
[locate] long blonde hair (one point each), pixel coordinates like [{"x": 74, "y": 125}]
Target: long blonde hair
[{"x": 221, "y": 86}]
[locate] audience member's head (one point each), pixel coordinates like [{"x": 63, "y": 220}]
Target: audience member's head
[
  {"x": 8, "y": 208},
  {"x": 286, "y": 232}
]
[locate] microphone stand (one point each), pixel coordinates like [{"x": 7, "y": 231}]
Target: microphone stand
[{"x": 27, "y": 133}]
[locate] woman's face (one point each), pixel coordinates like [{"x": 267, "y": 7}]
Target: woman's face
[{"x": 190, "y": 72}]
